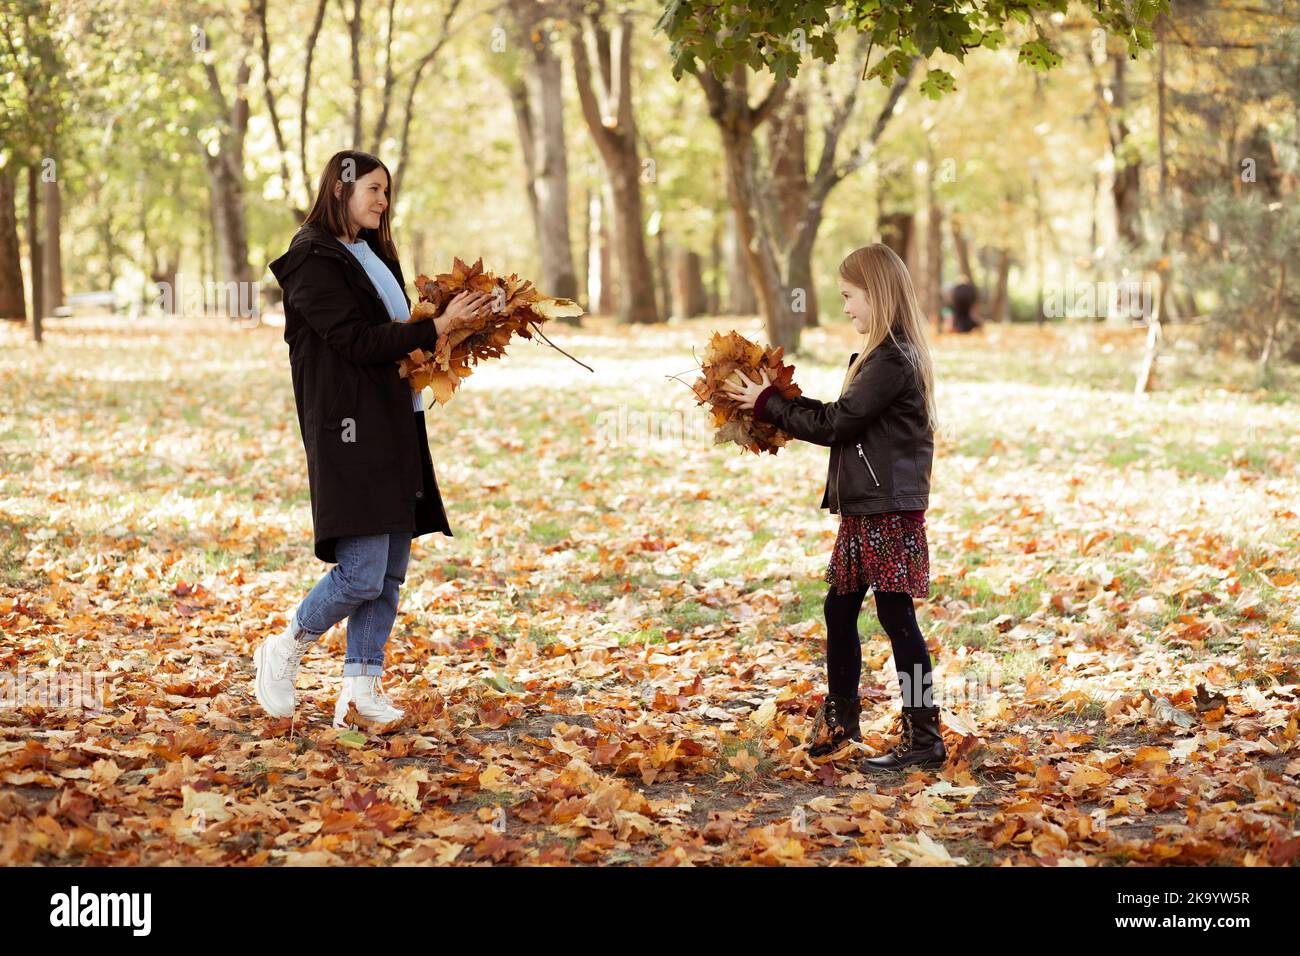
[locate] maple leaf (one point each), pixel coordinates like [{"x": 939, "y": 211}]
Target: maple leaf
[
  {"x": 517, "y": 308},
  {"x": 744, "y": 761},
  {"x": 725, "y": 355}
]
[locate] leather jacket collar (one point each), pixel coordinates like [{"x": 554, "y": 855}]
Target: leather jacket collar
[{"x": 881, "y": 444}]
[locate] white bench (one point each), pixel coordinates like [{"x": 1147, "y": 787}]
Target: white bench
[{"x": 88, "y": 301}]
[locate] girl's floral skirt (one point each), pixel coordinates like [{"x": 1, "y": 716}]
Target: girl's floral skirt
[{"x": 886, "y": 552}]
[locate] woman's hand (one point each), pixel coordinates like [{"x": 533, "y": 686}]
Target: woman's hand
[
  {"x": 744, "y": 391},
  {"x": 462, "y": 310}
]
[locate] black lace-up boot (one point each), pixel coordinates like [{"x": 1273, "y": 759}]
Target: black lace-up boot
[
  {"x": 836, "y": 724},
  {"x": 921, "y": 744}
]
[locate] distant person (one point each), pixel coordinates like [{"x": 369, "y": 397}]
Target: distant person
[{"x": 962, "y": 297}]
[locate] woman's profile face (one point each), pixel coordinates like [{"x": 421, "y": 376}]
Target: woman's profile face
[
  {"x": 369, "y": 199},
  {"x": 855, "y": 305}
]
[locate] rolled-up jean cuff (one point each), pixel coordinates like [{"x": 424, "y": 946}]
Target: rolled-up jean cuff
[
  {"x": 301, "y": 632},
  {"x": 360, "y": 668}
]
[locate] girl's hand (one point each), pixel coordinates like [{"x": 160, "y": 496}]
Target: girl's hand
[
  {"x": 462, "y": 310},
  {"x": 744, "y": 391}
]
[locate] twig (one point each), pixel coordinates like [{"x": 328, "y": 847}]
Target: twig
[
  {"x": 538, "y": 330},
  {"x": 675, "y": 378},
  {"x": 698, "y": 368}
]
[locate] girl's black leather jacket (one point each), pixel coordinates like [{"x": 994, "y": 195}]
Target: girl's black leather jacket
[{"x": 881, "y": 443}]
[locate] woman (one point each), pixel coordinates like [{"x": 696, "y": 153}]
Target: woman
[
  {"x": 881, "y": 435},
  {"x": 368, "y": 463}
]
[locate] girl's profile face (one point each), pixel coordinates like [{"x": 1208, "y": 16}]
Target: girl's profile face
[
  {"x": 369, "y": 199},
  {"x": 855, "y": 305}
]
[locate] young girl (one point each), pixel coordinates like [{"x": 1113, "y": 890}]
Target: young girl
[
  {"x": 881, "y": 435},
  {"x": 368, "y": 463}
]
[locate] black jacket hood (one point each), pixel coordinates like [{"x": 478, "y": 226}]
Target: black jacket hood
[{"x": 301, "y": 245}]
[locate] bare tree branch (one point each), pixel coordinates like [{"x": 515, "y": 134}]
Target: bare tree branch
[
  {"x": 386, "y": 103},
  {"x": 444, "y": 34},
  {"x": 864, "y": 149},
  {"x": 259, "y": 12},
  {"x": 306, "y": 93}
]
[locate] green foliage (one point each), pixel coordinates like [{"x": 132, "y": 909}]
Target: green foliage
[
  {"x": 777, "y": 37},
  {"x": 1234, "y": 226},
  {"x": 937, "y": 83},
  {"x": 35, "y": 82},
  {"x": 1039, "y": 55}
]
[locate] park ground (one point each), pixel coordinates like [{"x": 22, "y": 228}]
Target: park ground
[{"x": 617, "y": 657}]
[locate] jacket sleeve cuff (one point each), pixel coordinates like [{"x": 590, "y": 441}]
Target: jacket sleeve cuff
[{"x": 760, "y": 403}]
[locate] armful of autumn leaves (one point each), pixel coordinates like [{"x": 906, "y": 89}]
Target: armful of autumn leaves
[
  {"x": 518, "y": 308},
  {"x": 733, "y": 352}
]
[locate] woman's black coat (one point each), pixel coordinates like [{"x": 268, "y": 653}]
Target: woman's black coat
[{"x": 368, "y": 461}]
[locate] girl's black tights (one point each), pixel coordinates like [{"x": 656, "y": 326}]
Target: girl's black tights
[{"x": 897, "y": 615}]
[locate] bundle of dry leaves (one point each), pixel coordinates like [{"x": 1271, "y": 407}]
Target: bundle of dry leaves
[
  {"x": 725, "y": 355},
  {"x": 518, "y": 308}
]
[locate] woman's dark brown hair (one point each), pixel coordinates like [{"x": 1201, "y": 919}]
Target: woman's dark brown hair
[{"x": 330, "y": 212}]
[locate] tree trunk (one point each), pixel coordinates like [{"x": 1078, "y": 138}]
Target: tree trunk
[
  {"x": 207, "y": 252},
  {"x": 799, "y": 276},
  {"x": 898, "y": 231},
  {"x": 1040, "y": 271},
  {"x": 689, "y": 297},
  {"x": 583, "y": 265},
  {"x": 163, "y": 273},
  {"x": 527, "y": 144},
  {"x": 550, "y": 171},
  {"x": 998, "y": 308},
  {"x": 1267, "y": 353},
  {"x": 1093, "y": 238},
  {"x": 418, "y": 242},
  {"x": 1126, "y": 186},
  {"x": 52, "y": 249},
  {"x": 1165, "y": 266},
  {"x": 788, "y": 147},
  {"x": 665, "y": 280},
  {"x": 962, "y": 246},
  {"x": 740, "y": 291},
  {"x": 13, "y": 300},
  {"x": 34, "y": 252},
  {"x": 934, "y": 263},
  {"x": 783, "y": 324},
  {"x": 231, "y": 266},
  {"x": 216, "y": 254},
  {"x": 636, "y": 300},
  {"x": 606, "y": 97},
  {"x": 715, "y": 268},
  {"x": 226, "y": 181},
  {"x": 933, "y": 300},
  {"x": 600, "y": 291}
]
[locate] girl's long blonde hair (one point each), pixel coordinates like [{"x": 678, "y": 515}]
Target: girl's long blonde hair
[{"x": 893, "y": 313}]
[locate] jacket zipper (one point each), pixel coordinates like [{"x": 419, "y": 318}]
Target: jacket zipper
[
  {"x": 863, "y": 455},
  {"x": 838, "y": 460}
]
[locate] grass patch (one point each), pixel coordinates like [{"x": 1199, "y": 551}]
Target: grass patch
[
  {"x": 650, "y": 635},
  {"x": 809, "y": 604},
  {"x": 688, "y": 614},
  {"x": 972, "y": 635},
  {"x": 13, "y": 549},
  {"x": 547, "y": 532}
]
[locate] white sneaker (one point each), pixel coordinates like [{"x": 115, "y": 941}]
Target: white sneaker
[
  {"x": 373, "y": 705},
  {"x": 277, "y": 660}
]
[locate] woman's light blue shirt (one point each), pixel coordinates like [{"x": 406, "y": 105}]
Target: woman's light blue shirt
[{"x": 386, "y": 285}]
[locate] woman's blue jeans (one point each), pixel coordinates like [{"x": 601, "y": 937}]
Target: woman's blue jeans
[{"x": 362, "y": 587}]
